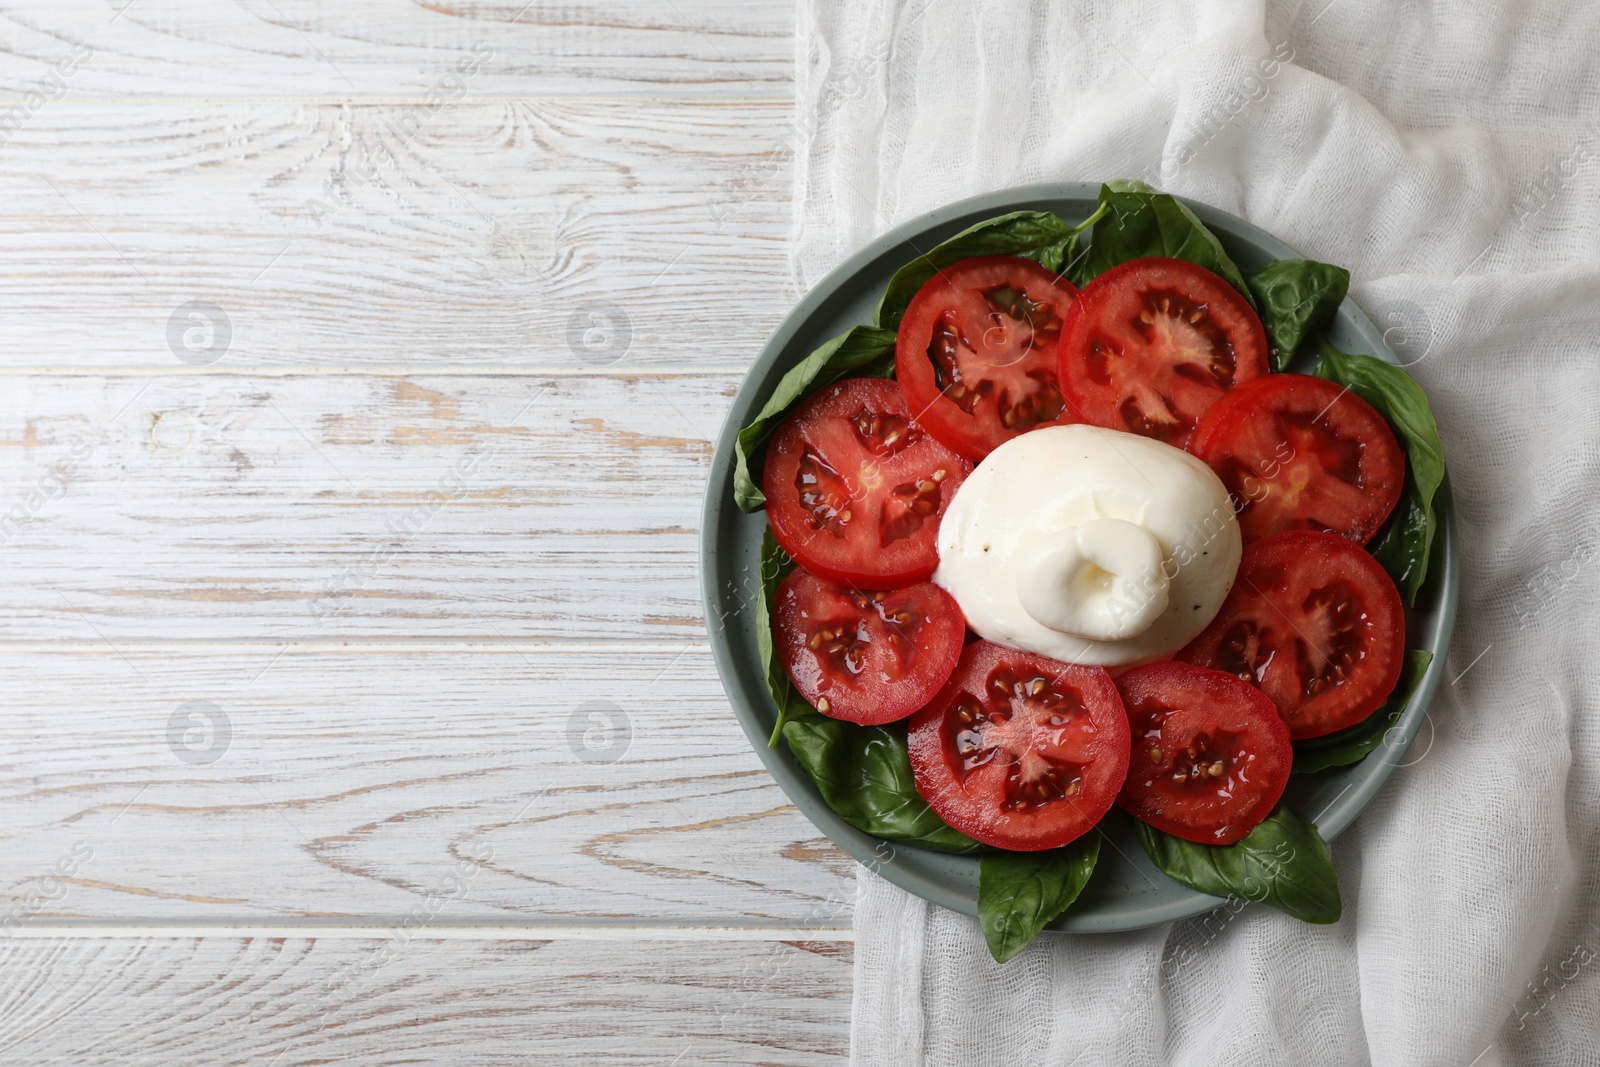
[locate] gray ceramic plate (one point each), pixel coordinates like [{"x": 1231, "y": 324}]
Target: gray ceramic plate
[{"x": 1126, "y": 891}]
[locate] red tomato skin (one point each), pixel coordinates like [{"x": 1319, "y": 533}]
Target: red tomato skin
[
  {"x": 805, "y": 603},
  {"x": 1258, "y": 598},
  {"x": 984, "y": 817},
  {"x": 1215, "y": 705},
  {"x": 1200, "y": 440},
  {"x": 974, "y": 436},
  {"x": 1107, "y": 306},
  {"x": 1223, "y": 439},
  {"x": 860, "y": 561}
]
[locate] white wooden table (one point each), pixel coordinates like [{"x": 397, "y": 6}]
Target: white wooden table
[{"x": 360, "y": 363}]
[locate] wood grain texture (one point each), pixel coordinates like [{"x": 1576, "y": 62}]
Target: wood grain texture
[
  {"x": 225, "y": 507},
  {"x": 291, "y": 1003},
  {"x": 360, "y": 371},
  {"x": 538, "y": 787},
  {"x": 573, "y": 235},
  {"x": 395, "y": 48}
]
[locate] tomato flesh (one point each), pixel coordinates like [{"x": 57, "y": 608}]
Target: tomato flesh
[
  {"x": 1210, "y": 756},
  {"x": 855, "y": 489},
  {"x": 1302, "y": 453},
  {"x": 1020, "y": 751},
  {"x": 868, "y": 657},
  {"x": 1314, "y": 622},
  {"x": 976, "y": 352},
  {"x": 1152, "y": 343}
]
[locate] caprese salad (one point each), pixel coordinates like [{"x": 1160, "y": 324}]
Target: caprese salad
[{"x": 1061, "y": 532}]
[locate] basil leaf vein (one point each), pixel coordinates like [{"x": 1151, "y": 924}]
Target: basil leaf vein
[
  {"x": 1041, "y": 236},
  {"x": 1020, "y": 893},
  {"x": 1283, "y": 863},
  {"x": 861, "y": 352},
  {"x": 863, "y": 772},
  {"x": 1404, "y": 545},
  {"x": 1296, "y": 297},
  {"x": 1139, "y": 222}
]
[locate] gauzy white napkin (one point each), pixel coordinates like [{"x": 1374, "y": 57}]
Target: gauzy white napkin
[{"x": 1448, "y": 154}]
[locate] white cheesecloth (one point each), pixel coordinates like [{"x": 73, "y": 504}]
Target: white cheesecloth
[{"x": 1448, "y": 154}]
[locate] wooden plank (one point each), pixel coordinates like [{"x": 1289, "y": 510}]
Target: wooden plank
[
  {"x": 290, "y": 1003},
  {"x": 230, "y": 507},
  {"x": 391, "y": 48},
  {"x": 538, "y": 788},
  {"x": 504, "y": 720},
  {"x": 564, "y": 234}
]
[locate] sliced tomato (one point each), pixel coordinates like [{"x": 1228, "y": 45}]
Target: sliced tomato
[
  {"x": 1152, "y": 343},
  {"x": 866, "y": 656},
  {"x": 855, "y": 489},
  {"x": 1020, "y": 751},
  {"x": 1302, "y": 453},
  {"x": 976, "y": 353},
  {"x": 1210, "y": 755},
  {"x": 1315, "y": 623}
]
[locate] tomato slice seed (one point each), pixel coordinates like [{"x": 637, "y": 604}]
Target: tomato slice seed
[
  {"x": 866, "y": 656},
  {"x": 855, "y": 487},
  {"x": 1315, "y": 623},
  {"x": 976, "y": 353},
  {"x": 1020, "y": 751},
  {"x": 1153, "y": 343},
  {"x": 1301, "y": 453},
  {"x": 1211, "y": 757}
]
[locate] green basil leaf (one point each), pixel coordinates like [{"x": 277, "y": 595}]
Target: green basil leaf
[
  {"x": 1041, "y": 236},
  {"x": 1296, "y": 298},
  {"x": 1283, "y": 863},
  {"x": 1405, "y": 543},
  {"x": 1020, "y": 893},
  {"x": 859, "y": 352},
  {"x": 1353, "y": 744},
  {"x": 864, "y": 773},
  {"x": 1403, "y": 546},
  {"x": 1141, "y": 222},
  {"x": 775, "y": 567}
]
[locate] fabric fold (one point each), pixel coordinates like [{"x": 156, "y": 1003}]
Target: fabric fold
[{"x": 1448, "y": 154}]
